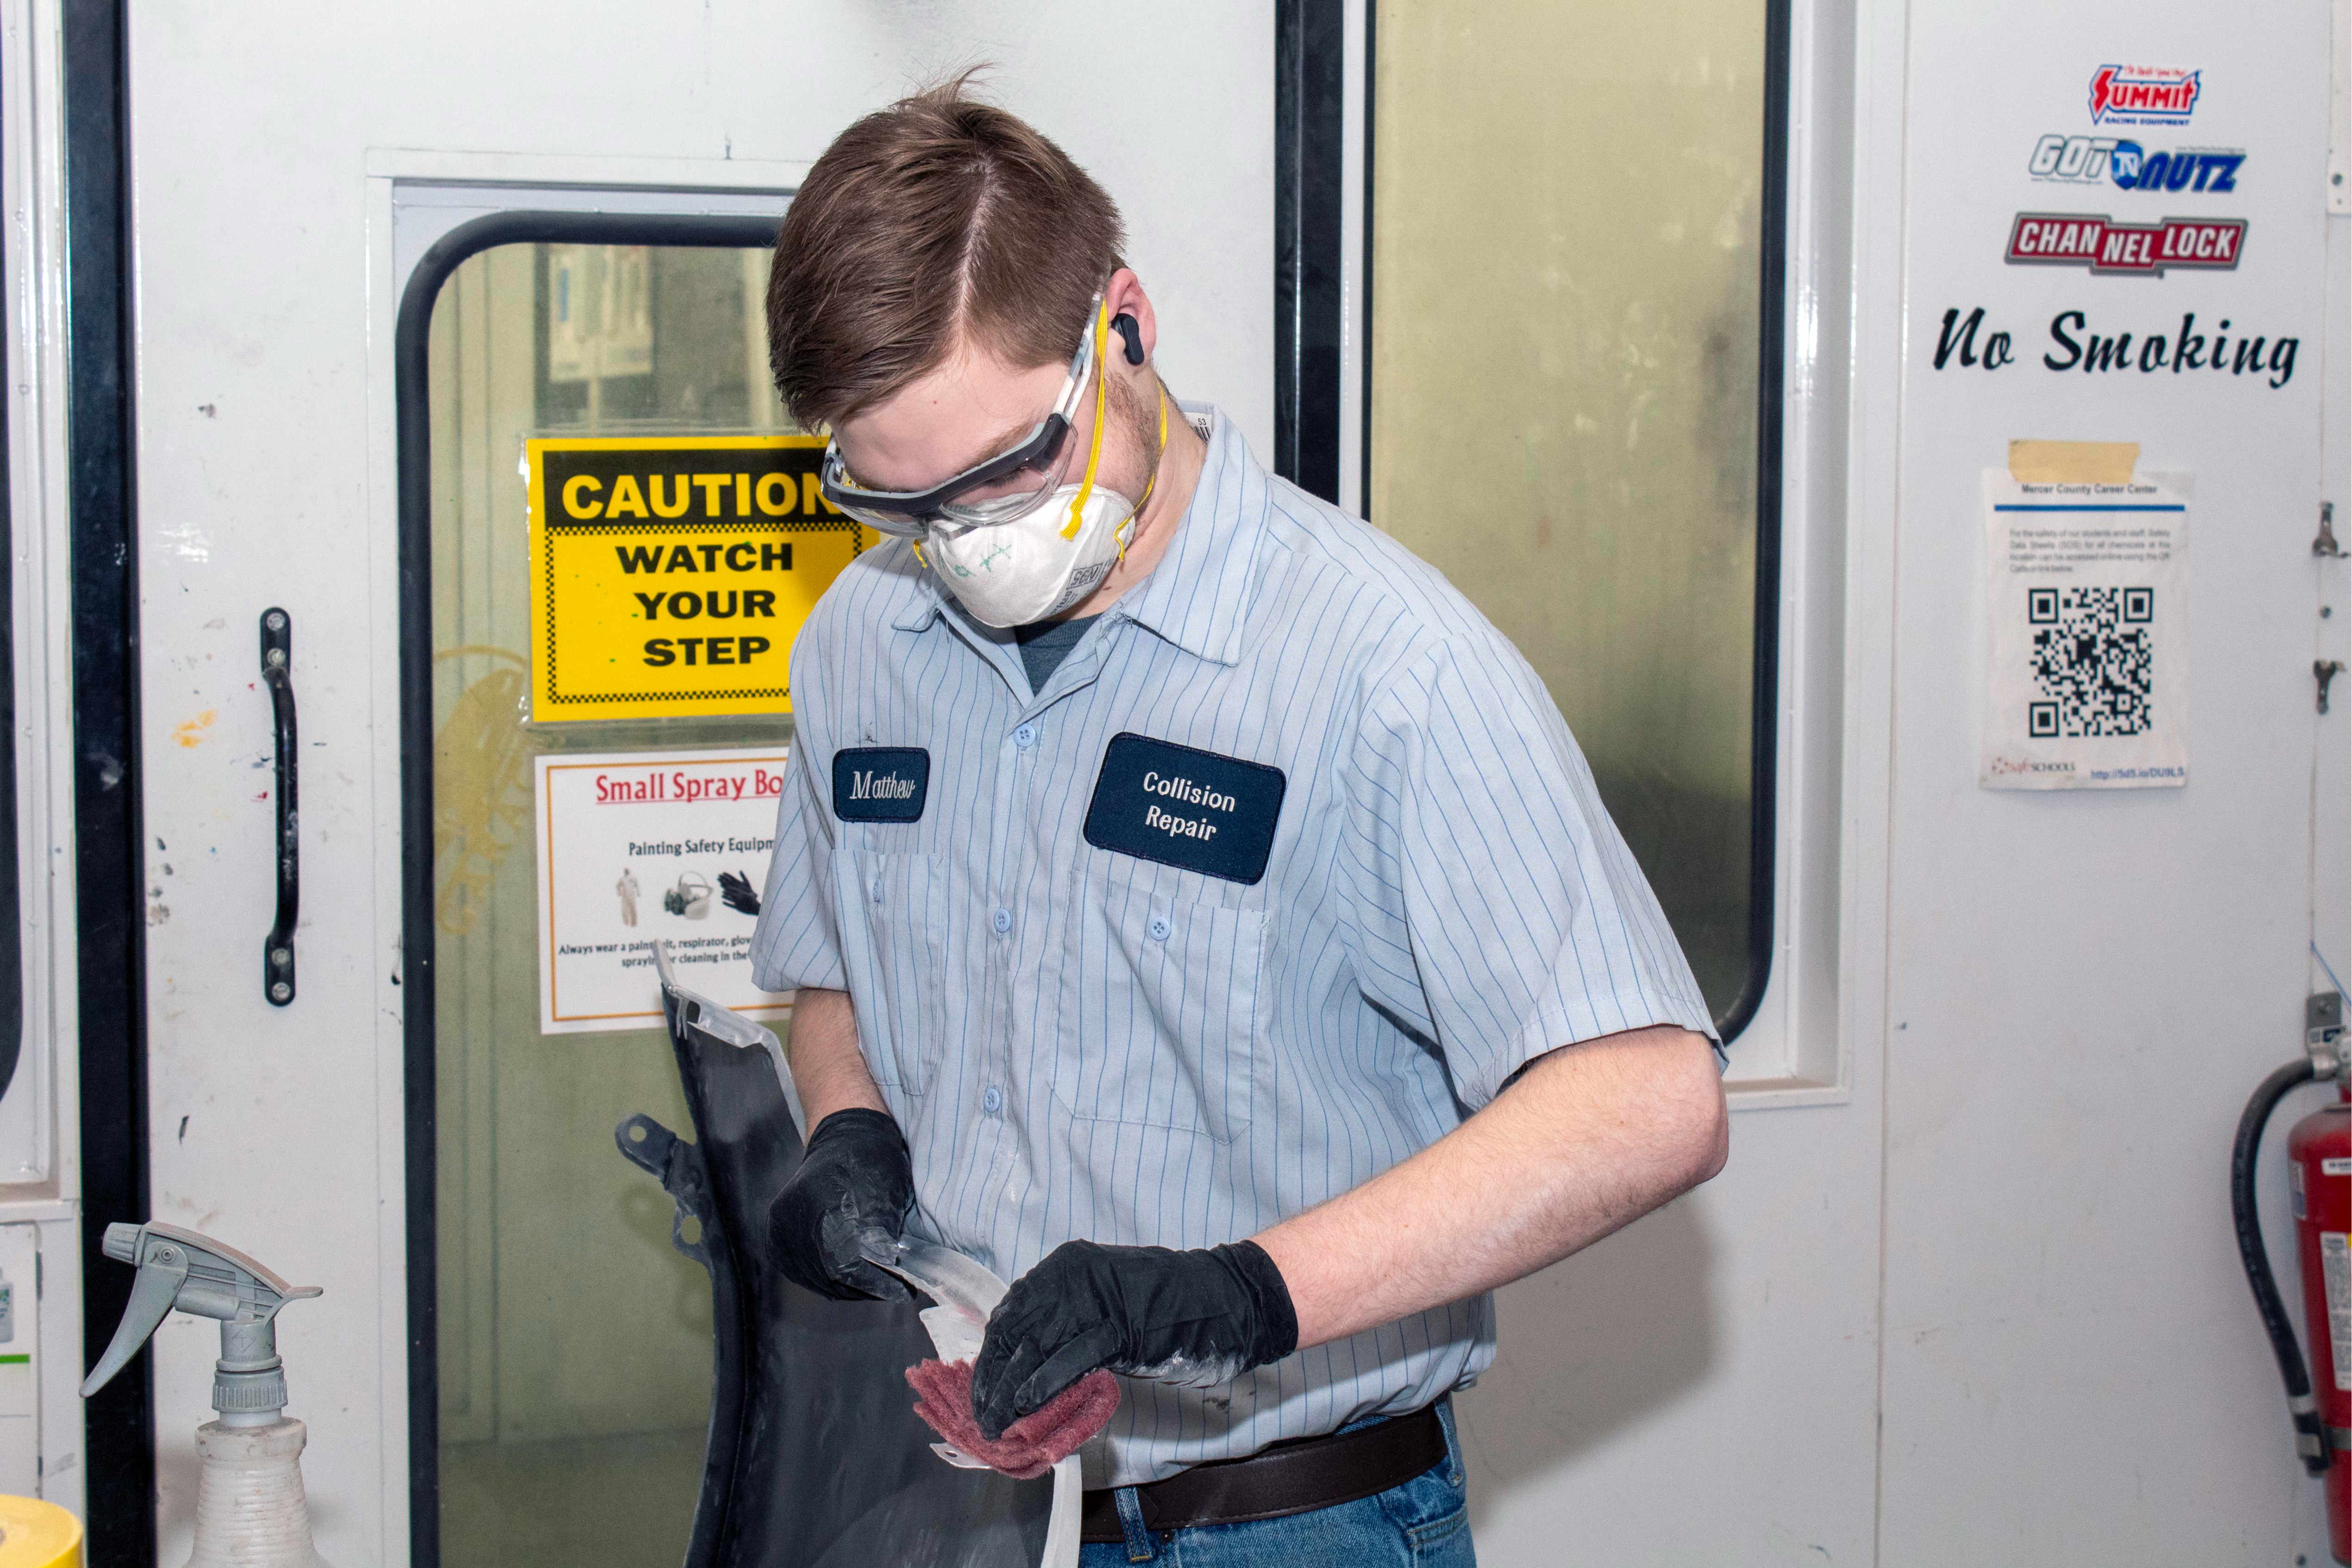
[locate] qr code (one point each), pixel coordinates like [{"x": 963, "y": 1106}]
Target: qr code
[{"x": 2092, "y": 661}]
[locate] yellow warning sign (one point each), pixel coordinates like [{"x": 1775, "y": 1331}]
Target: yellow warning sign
[{"x": 669, "y": 575}]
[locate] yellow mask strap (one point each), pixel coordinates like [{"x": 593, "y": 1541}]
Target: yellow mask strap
[{"x": 1094, "y": 449}]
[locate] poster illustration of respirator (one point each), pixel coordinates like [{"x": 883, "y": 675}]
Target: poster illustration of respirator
[
  {"x": 2086, "y": 588},
  {"x": 637, "y": 847}
]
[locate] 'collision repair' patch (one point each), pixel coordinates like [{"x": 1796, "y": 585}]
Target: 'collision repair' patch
[{"x": 1191, "y": 809}]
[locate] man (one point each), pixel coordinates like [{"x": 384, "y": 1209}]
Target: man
[{"x": 1200, "y": 914}]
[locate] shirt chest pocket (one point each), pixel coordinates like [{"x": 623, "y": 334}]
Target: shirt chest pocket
[
  {"x": 894, "y": 927},
  {"x": 1158, "y": 1020}
]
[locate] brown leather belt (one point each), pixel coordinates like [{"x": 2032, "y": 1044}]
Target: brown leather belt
[{"x": 1297, "y": 1477}]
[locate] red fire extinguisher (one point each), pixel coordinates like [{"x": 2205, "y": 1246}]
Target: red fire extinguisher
[{"x": 2319, "y": 1148}]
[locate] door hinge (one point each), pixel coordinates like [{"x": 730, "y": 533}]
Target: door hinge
[
  {"x": 2324, "y": 543},
  {"x": 2324, "y": 670}
]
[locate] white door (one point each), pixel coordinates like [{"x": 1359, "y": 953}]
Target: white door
[
  {"x": 292, "y": 169},
  {"x": 2084, "y": 987}
]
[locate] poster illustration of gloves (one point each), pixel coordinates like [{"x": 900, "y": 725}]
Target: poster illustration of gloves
[
  {"x": 2086, "y": 586},
  {"x": 637, "y": 847}
]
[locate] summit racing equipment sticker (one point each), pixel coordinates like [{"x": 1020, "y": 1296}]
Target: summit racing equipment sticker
[
  {"x": 2098, "y": 160},
  {"x": 2103, "y": 245},
  {"x": 2143, "y": 95}
]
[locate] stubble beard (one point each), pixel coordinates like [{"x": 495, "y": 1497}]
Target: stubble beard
[{"x": 1138, "y": 416}]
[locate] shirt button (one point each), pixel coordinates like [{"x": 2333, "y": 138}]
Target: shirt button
[
  {"x": 878, "y": 889},
  {"x": 1003, "y": 921},
  {"x": 991, "y": 1100},
  {"x": 1025, "y": 736},
  {"x": 1159, "y": 928}
]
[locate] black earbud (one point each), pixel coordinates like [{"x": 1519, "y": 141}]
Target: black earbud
[{"x": 1124, "y": 325}]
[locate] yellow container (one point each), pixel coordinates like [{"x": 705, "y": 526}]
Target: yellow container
[{"x": 36, "y": 1534}]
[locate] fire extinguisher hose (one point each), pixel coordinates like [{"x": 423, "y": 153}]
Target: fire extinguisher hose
[{"x": 2310, "y": 1431}]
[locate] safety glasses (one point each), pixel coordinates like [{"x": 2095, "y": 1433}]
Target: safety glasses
[{"x": 997, "y": 491}]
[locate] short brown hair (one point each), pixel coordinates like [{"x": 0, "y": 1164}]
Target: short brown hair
[{"x": 936, "y": 218}]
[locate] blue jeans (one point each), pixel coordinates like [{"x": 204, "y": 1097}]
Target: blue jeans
[{"x": 1422, "y": 1523}]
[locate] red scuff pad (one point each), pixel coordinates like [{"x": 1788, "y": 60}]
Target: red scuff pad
[{"x": 1032, "y": 1445}]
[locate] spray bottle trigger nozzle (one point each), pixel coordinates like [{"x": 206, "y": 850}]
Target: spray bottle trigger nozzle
[
  {"x": 152, "y": 1292},
  {"x": 194, "y": 1274},
  {"x": 121, "y": 1243}
]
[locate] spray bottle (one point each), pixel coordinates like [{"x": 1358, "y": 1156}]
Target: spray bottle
[{"x": 250, "y": 1510}]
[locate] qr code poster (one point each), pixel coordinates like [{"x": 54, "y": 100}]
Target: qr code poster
[{"x": 2086, "y": 586}]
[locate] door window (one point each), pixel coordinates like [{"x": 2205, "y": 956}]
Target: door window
[
  {"x": 1572, "y": 365},
  {"x": 573, "y": 1342}
]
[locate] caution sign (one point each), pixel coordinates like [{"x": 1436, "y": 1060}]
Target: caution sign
[{"x": 669, "y": 575}]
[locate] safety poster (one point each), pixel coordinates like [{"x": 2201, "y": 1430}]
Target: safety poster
[
  {"x": 669, "y": 575},
  {"x": 2087, "y": 684},
  {"x": 637, "y": 847}
]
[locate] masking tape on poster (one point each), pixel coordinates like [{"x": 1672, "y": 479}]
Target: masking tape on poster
[{"x": 2073, "y": 462}]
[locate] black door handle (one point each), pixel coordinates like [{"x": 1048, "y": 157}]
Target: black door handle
[{"x": 277, "y": 952}]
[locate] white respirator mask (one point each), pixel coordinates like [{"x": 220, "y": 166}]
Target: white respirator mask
[{"x": 1032, "y": 566}]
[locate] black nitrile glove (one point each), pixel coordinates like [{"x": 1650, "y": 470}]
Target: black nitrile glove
[
  {"x": 1195, "y": 1319},
  {"x": 735, "y": 890},
  {"x": 854, "y": 1185}
]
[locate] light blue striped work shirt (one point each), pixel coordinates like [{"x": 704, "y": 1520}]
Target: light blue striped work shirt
[{"x": 1081, "y": 1041}]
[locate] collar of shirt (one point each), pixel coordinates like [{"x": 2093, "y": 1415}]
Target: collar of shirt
[{"x": 1198, "y": 596}]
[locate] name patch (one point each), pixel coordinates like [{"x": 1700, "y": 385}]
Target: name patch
[
  {"x": 1191, "y": 809},
  {"x": 880, "y": 783}
]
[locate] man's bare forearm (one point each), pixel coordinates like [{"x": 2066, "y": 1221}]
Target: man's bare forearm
[
  {"x": 1589, "y": 1139},
  {"x": 828, "y": 1070}
]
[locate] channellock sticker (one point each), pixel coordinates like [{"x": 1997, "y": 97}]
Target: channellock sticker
[
  {"x": 2144, "y": 95},
  {"x": 2104, "y": 160},
  {"x": 2104, "y": 245}
]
